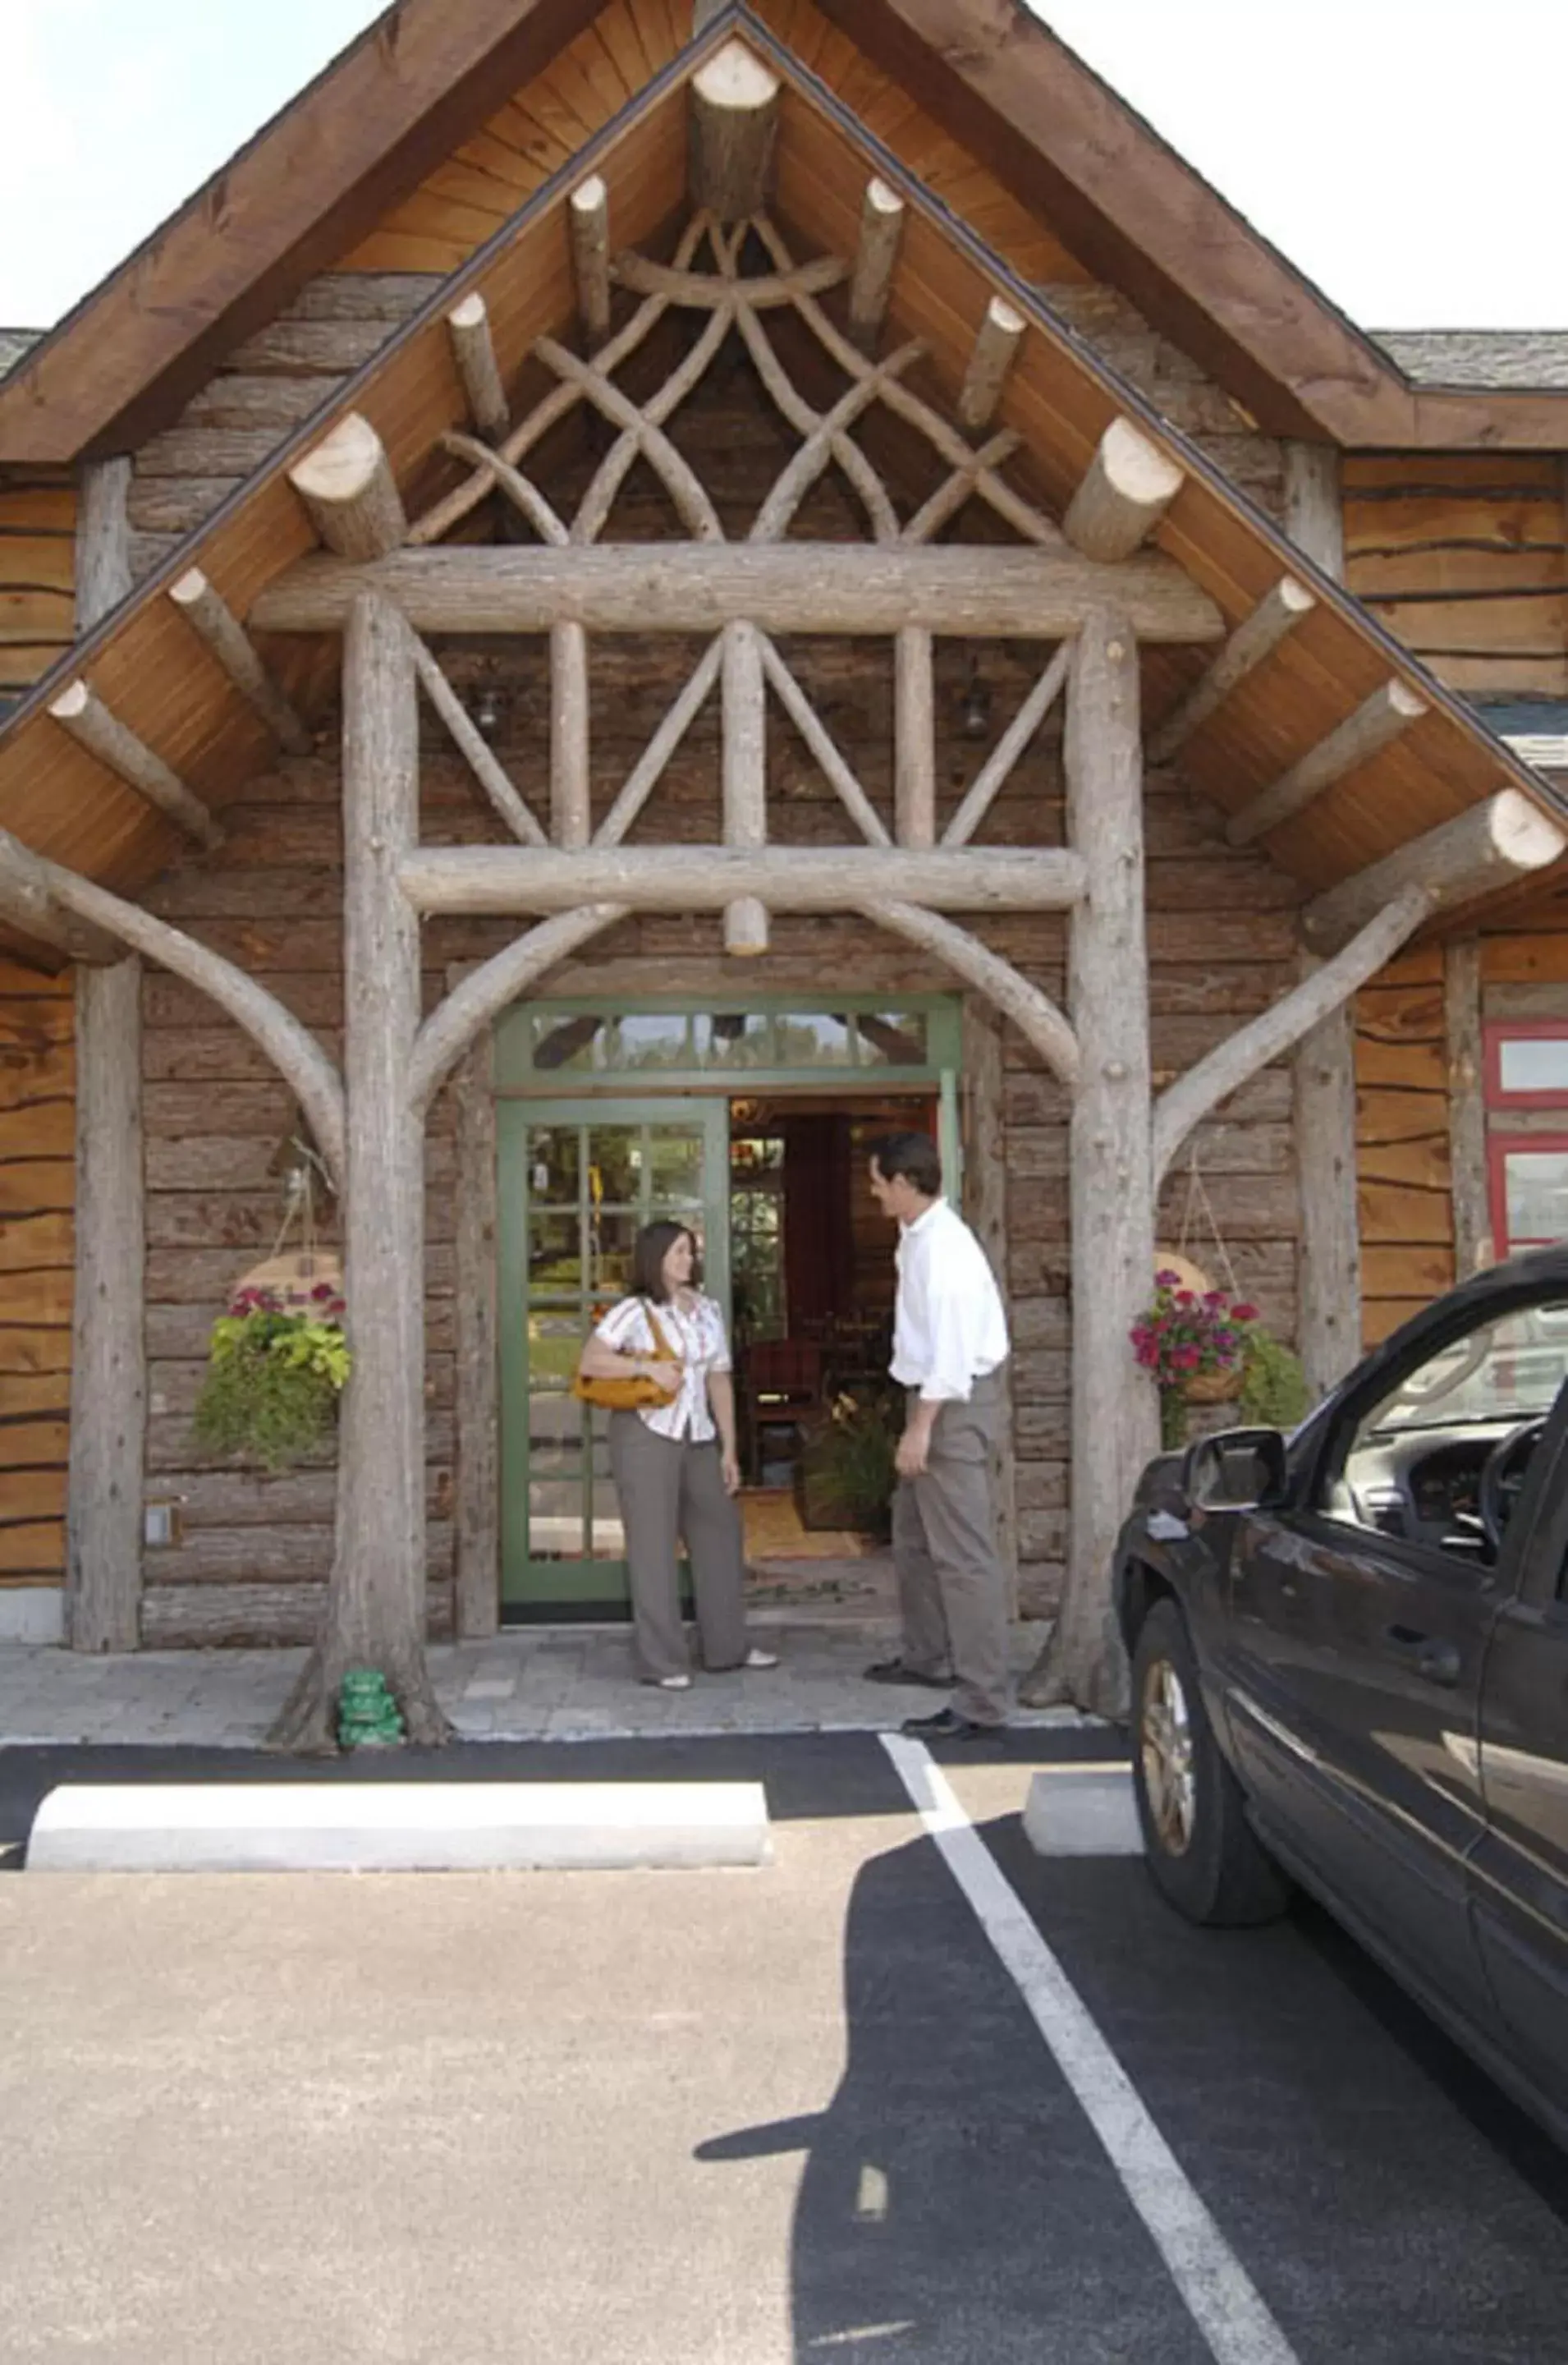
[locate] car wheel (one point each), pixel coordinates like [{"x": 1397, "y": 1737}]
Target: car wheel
[{"x": 1201, "y": 1850}]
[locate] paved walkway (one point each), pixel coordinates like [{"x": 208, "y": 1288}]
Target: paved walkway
[{"x": 571, "y": 1684}]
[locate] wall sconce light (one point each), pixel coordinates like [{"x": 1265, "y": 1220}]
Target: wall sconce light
[
  {"x": 974, "y": 718},
  {"x": 486, "y": 711}
]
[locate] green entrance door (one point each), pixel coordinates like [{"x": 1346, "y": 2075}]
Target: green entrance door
[{"x": 578, "y": 1180}]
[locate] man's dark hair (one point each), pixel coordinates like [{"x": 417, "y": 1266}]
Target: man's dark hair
[
  {"x": 655, "y": 1242},
  {"x": 914, "y": 1155}
]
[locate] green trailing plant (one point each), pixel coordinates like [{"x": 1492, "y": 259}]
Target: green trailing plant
[
  {"x": 1274, "y": 1394},
  {"x": 851, "y": 1457},
  {"x": 276, "y": 1369}
]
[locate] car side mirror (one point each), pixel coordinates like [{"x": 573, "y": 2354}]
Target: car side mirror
[{"x": 1236, "y": 1469}]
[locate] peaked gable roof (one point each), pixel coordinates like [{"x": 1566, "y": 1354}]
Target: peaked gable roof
[{"x": 360, "y": 137}]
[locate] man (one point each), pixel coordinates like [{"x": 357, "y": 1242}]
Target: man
[{"x": 949, "y": 1344}]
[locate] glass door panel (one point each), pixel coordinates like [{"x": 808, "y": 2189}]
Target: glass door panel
[{"x": 577, "y": 1183}]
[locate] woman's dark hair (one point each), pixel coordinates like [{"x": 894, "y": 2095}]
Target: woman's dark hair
[
  {"x": 914, "y": 1155},
  {"x": 655, "y": 1242}
]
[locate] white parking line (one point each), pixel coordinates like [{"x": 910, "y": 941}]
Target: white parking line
[{"x": 1218, "y": 2294}]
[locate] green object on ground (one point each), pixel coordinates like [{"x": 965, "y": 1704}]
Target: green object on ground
[{"x": 368, "y": 1716}]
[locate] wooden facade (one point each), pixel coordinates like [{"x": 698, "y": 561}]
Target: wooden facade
[{"x": 1455, "y": 556}]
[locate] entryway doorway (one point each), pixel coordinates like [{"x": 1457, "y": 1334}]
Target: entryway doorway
[{"x": 749, "y": 1123}]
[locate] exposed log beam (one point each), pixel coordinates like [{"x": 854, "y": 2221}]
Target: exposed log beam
[
  {"x": 492, "y": 987},
  {"x": 216, "y": 624},
  {"x": 1376, "y": 722},
  {"x": 734, "y": 127},
  {"x": 491, "y": 775},
  {"x": 915, "y": 736},
  {"x": 27, "y": 906},
  {"x": 789, "y": 588},
  {"x": 1472, "y": 1245},
  {"x": 348, "y": 487},
  {"x": 83, "y": 714},
  {"x": 1245, "y": 1054},
  {"x": 520, "y": 490},
  {"x": 473, "y": 351},
  {"x": 1479, "y": 851},
  {"x": 744, "y": 780},
  {"x": 881, "y": 232},
  {"x": 291, "y": 1048},
  {"x": 1035, "y": 1016},
  {"x": 998, "y": 765},
  {"x": 998, "y": 342},
  {"x": 571, "y": 821},
  {"x": 1129, "y": 486},
  {"x": 506, "y": 879},
  {"x": 705, "y": 291},
  {"x": 1254, "y": 639},
  {"x": 587, "y": 217},
  {"x": 1329, "y": 1258}
]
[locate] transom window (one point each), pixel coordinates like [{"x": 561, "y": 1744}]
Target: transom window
[{"x": 550, "y": 1043}]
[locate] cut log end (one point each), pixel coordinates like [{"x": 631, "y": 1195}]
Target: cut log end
[
  {"x": 346, "y": 484},
  {"x": 746, "y": 932},
  {"x": 734, "y": 120},
  {"x": 470, "y": 313},
  {"x": 1129, "y": 486},
  {"x": 590, "y": 197}
]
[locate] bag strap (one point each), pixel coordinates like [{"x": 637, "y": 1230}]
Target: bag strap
[{"x": 663, "y": 1351}]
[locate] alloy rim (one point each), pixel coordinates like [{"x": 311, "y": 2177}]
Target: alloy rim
[{"x": 1165, "y": 1745}]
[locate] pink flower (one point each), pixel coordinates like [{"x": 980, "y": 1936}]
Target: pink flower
[
  {"x": 322, "y": 1291},
  {"x": 1185, "y": 1359},
  {"x": 1244, "y": 1314},
  {"x": 1167, "y": 1280},
  {"x": 1185, "y": 1297}
]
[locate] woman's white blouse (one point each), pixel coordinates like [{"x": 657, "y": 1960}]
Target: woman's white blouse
[{"x": 694, "y": 1332}]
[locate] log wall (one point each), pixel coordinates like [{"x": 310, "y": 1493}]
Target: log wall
[
  {"x": 1406, "y": 1200},
  {"x": 36, "y": 1190},
  {"x": 38, "y": 581},
  {"x": 1461, "y": 555}
]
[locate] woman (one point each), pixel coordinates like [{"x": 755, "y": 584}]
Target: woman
[{"x": 675, "y": 1464}]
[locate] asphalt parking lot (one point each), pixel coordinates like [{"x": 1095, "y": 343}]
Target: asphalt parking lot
[{"x": 738, "y": 2117}]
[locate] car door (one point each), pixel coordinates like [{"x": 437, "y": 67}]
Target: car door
[
  {"x": 1519, "y": 1871},
  {"x": 1360, "y": 1628}
]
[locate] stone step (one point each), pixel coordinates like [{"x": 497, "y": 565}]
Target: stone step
[{"x": 400, "y": 1827}]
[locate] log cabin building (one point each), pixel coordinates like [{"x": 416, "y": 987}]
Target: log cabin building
[{"x": 633, "y": 591}]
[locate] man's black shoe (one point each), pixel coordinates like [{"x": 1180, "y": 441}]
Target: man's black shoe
[
  {"x": 893, "y": 1670},
  {"x": 947, "y": 1725}
]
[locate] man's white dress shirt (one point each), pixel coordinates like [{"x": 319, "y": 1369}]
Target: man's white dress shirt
[{"x": 950, "y": 1330}]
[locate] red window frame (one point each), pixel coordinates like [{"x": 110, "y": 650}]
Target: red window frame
[
  {"x": 1497, "y": 1032},
  {"x": 1499, "y": 1147}
]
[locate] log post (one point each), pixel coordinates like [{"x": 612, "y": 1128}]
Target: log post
[
  {"x": 734, "y": 126},
  {"x": 473, "y": 352},
  {"x": 881, "y": 230},
  {"x": 83, "y": 714},
  {"x": 1486, "y": 847},
  {"x": 103, "y": 539},
  {"x": 1379, "y": 720},
  {"x": 1115, "y": 1415},
  {"x": 1315, "y": 516},
  {"x": 374, "y": 1613},
  {"x": 215, "y": 623},
  {"x": 745, "y": 778},
  {"x": 996, "y": 347},
  {"x": 108, "y": 1354},
  {"x": 571, "y": 812},
  {"x": 587, "y": 216},
  {"x": 109, "y": 1366},
  {"x": 1255, "y": 638},
  {"x": 985, "y": 1207},
  {"x": 476, "y": 1476},
  {"x": 350, "y": 492},
  {"x": 914, "y": 737},
  {"x": 1129, "y": 486},
  {"x": 1115, "y": 1424},
  {"x": 1473, "y": 1242}
]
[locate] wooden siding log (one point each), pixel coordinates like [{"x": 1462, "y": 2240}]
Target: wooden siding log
[
  {"x": 587, "y": 216},
  {"x": 103, "y": 568},
  {"x": 81, "y": 713},
  {"x": 977, "y": 593},
  {"x": 1472, "y": 1243},
  {"x": 507, "y": 879},
  {"x": 1115, "y": 1426},
  {"x": 734, "y": 128},
  {"x": 1376, "y": 722},
  {"x": 1504, "y": 838},
  {"x": 1253, "y": 640},
  {"x": 1187, "y": 1102},
  {"x": 220, "y": 631},
  {"x": 743, "y": 781},
  {"x": 998, "y": 342},
  {"x": 473, "y": 352},
  {"x": 875, "y": 257},
  {"x": 108, "y": 1360},
  {"x": 350, "y": 493},
  {"x": 1129, "y": 486},
  {"x": 290, "y": 1047}
]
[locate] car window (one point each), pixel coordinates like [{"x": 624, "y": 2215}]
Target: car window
[{"x": 1413, "y": 1464}]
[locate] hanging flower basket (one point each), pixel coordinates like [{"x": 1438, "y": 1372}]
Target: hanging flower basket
[
  {"x": 1213, "y": 1387},
  {"x": 278, "y": 1363}
]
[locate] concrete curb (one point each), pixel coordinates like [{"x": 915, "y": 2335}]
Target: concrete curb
[
  {"x": 400, "y": 1827},
  {"x": 1083, "y": 1810}
]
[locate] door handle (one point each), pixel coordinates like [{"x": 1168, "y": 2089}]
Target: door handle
[{"x": 1436, "y": 1661}]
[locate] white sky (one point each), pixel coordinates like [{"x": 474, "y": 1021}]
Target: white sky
[{"x": 1403, "y": 153}]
